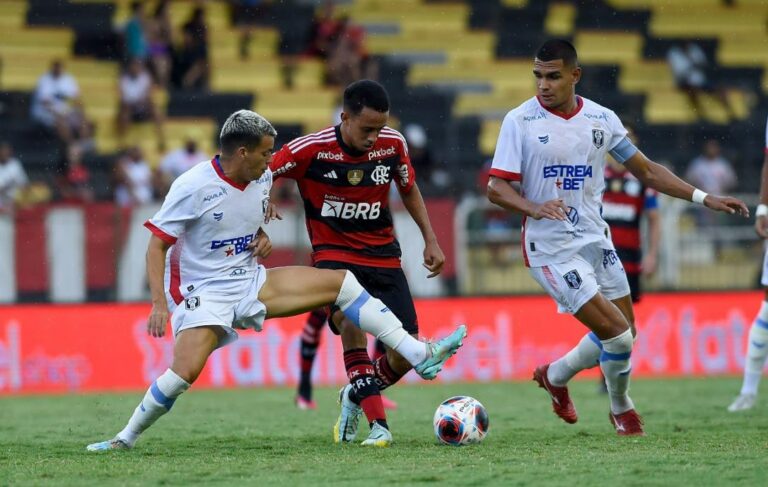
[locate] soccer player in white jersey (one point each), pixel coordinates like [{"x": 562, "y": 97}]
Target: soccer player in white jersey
[
  {"x": 757, "y": 347},
  {"x": 211, "y": 220},
  {"x": 555, "y": 145}
]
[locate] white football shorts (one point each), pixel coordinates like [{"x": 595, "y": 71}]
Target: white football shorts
[
  {"x": 230, "y": 304},
  {"x": 574, "y": 282},
  {"x": 764, "y": 278}
]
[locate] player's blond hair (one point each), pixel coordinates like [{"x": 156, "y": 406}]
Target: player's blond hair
[{"x": 244, "y": 128}]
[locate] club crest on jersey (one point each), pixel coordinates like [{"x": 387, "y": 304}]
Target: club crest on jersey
[
  {"x": 192, "y": 303},
  {"x": 598, "y": 137},
  {"x": 380, "y": 175},
  {"x": 573, "y": 279},
  {"x": 354, "y": 176}
]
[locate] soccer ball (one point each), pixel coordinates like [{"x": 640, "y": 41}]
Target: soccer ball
[{"x": 460, "y": 420}]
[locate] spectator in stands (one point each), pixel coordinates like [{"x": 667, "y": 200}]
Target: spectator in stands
[
  {"x": 175, "y": 163},
  {"x": 348, "y": 59},
  {"x": 324, "y": 31},
  {"x": 134, "y": 33},
  {"x": 74, "y": 179},
  {"x": 692, "y": 74},
  {"x": 136, "y": 100},
  {"x": 56, "y": 104},
  {"x": 133, "y": 179},
  {"x": 13, "y": 178},
  {"x": 160, "y": 39},
  {"x": 196, "y": 25},
  {"x": 246, "y": 14},
  {"x": 430, "y": 178},
  {"x": 190, "y": 60},
  {"x": 712, "y": 172}
]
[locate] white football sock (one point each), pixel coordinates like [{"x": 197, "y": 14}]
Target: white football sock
[
  {"x": 374, "y": 317},
  {"x": 757, "y": 351},
  {"x": 585, "y": 355},
  {"x": 616, "y": 365},
  {"x": 157, "y": 401}
]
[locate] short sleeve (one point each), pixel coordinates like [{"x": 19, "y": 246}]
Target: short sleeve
[
  {"x": 286, "y": 164},
  {"x": 508, "y": 158},
  {"x": 405, "y": 175},
  {"x": 178, "y": 209},
  {"x": 618, "y": 132}
]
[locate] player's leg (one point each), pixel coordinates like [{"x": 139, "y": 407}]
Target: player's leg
[
  {"x": 191, "y": 351},
  {"x": 757, "y": 351},
  {"x": 310, "y": 340},
  {"x": 362, "y": 392},
  {"x": 283, "y": 297},
  {"x": 379, "y": 350}
]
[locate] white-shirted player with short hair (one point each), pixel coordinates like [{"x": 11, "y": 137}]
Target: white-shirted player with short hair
[
  {"x": 211, "y": 282},
  {"x": 757, "y": 346},
  {"x": 555, "y": 145}
]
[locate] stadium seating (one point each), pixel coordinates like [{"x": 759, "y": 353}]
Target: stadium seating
[{"x": 454, "y": 67}]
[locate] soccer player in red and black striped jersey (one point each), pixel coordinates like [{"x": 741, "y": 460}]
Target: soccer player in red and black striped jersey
[
  {"x": 626, "y": 202},
  {"x": 344, "y": 175}
]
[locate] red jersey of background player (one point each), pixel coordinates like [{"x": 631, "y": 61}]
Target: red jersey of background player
[
  {"x": 624, "y": 201},
  {"x": 346, "y": 194}
]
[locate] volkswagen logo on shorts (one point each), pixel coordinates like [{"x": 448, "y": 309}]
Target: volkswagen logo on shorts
[{"x": 573, "y": 215}]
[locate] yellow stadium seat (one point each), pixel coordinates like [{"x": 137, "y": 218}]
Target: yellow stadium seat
[{"x": 601, "y": 47}]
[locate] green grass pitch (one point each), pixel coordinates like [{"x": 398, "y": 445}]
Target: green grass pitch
[{"x": 257, "y": 437}]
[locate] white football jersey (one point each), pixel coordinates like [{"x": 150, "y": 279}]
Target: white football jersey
[
  {"x": 555, "y": 156},
  {"x": 209, "y": 220}
]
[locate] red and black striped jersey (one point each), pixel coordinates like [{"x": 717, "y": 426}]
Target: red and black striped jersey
[
  {"x": 624, "y": 201},
  {"x": 346, "y": 194}
]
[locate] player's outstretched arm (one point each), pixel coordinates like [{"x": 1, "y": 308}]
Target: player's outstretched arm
[
  {"x": 501, "y": 193},
  {"x": 158, "y": 317},
  {"x": 661, "y": 179}
]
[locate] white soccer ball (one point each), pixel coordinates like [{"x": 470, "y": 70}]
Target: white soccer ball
[{"x": 460, "y": 420}]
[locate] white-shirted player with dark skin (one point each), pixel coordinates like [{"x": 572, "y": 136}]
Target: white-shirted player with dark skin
[
  {"x": 211, "y": 220},
  {"x": 757, "y": 346},
  {"x": 555, "y": 145}
]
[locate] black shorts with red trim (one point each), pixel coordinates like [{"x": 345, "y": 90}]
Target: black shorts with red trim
[{"x": 386, "y": 283}]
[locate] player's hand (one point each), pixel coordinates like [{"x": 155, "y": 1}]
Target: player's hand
[
  {"x": 649, "y": 264},
  {"x": 158, "y": 319},
  {"x": 761, "y": 226},
  {"x": 726, "y": 204},
  {"x": 434, "y": 259},
  {"x": 272, "y": 213},
  {"x": 550, "y": 210},
  {"x": 261, "y": 247}
]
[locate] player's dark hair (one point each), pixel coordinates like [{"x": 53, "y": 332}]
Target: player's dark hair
[
  {"x": 365, "y": 93},
  {"x": 555, "y": 49}
]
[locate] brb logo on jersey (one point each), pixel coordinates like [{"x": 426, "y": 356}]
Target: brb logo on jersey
[
  {"x": 347, "y": 210},
  {"x": 233, "y": 246},
  {"x": 568, "y": 177}
]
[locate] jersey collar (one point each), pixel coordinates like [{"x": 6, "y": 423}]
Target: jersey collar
[
  {"x": 349, "y": 150},
  {"x": 220, "y": 171},
  {"x": 565, "y": 116}
]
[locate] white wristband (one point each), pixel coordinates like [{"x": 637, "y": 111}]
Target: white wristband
[
  {"x": 762, "y": 210},
  {"x": 698, "y": 196}
]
